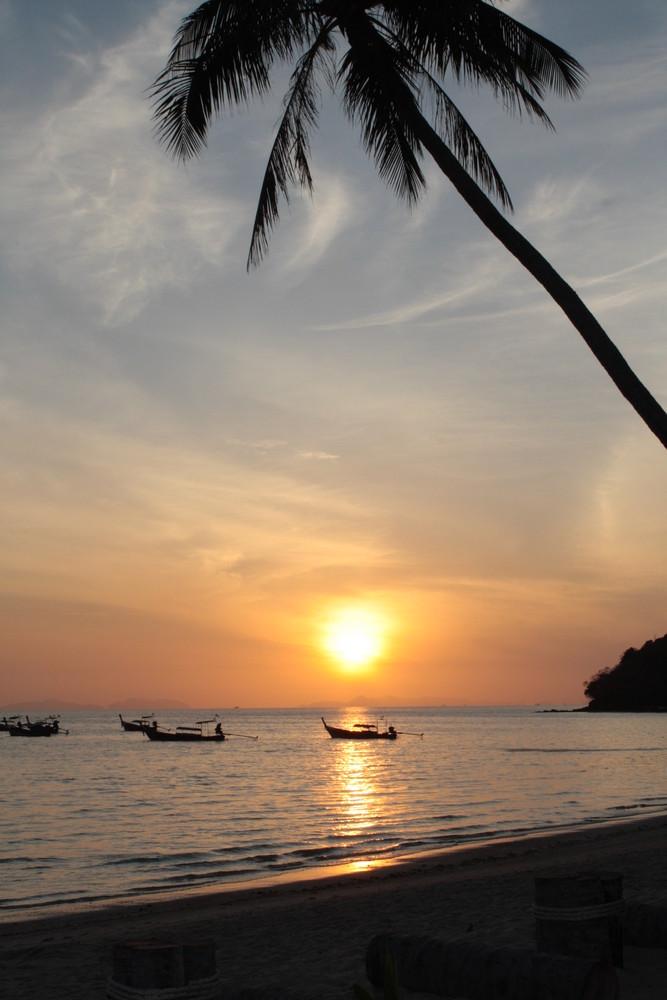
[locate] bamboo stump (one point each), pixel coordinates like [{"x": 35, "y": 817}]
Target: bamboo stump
[
  {"x": 580, "y": 915},
  {"x": 477, "y": 972},
  {"x": 164, "y": 970}
]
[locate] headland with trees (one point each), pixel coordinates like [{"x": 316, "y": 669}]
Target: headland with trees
[{"x": 638, "y": 682}]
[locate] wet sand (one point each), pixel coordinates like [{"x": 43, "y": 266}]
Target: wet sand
[{"x": 309, "y": 936}]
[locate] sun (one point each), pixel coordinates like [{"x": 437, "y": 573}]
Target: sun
[{"x": 354, "y": 637}]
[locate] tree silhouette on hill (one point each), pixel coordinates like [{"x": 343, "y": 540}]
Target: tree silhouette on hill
[{"x": 638, "y": 682}]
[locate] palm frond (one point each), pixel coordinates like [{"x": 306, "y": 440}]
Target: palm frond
[
  {"x": 542, "y": 65},
  {"x": 466, "y": 146},
  {"x": 453, "y": 128},
  {"x": 478, "y": 43},
  {"x": 222, "y": 57},
  {"x": 288, "y": 162},
  {"x": 378, "y": 95}
]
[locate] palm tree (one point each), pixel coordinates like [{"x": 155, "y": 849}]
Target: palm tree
[{"x": 389, "y": 62}]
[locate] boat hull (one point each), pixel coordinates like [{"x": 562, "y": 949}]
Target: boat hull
[
  {"x": 30, "y": 730},
  {"x": 358, "y": 734},
  {"x": 163, "y": 736}
]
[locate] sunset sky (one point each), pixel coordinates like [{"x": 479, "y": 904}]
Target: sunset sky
[{"x": 382, "y": 464}]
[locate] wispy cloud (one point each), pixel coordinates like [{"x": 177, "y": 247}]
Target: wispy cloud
[
  {"x": 95, "y": 203},
  {"x": 557, "y": 201},
  {"x": 404, "y": 313},
  {"x": 320, "y": 224},
  {"x": 318, "y": 456},
  {"x": 625, "y": 272}
]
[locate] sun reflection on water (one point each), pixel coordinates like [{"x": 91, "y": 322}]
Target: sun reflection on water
[
  {"x": 357, "y": 791},
  {"x": 359, "y": 809}
]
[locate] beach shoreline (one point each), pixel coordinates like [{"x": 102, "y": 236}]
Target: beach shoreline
[
  {"x": 315, "y": 874},
  {"x": 308, "y": 935}
]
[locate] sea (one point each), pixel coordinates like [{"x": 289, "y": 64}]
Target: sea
[{"x": 100, "y": 816}]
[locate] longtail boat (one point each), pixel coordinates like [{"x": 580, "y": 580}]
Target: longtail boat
[
  {"x": 29, "y": 728},
  {"x": 186, "y": 734},
  {"x": 49, "y": 726},
  {"x": 361, "y": 731},
  {"x": 135, "y": 725}
]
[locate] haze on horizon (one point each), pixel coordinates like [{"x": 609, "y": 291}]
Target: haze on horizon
[{"x": 381, "y": 463}]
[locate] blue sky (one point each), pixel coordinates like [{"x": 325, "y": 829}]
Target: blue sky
[{"x": 199, "y": 464}]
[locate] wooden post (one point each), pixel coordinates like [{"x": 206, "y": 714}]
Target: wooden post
[
  {"x": 478, "y": 972},
  {"x": 182, "y": 968},
  {"x": 580, "y": 915}
]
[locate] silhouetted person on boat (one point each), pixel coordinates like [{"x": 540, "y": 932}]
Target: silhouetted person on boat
[{"x": 218, "y": 729}]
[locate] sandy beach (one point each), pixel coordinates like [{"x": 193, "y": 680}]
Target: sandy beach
[{"x": 309, "y": 937}]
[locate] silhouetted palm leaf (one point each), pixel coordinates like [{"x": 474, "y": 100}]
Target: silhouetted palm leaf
[
  {"x": 222, "y": 56},
  {"x": 288, "y": 162}
]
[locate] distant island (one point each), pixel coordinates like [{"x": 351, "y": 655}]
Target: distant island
[{"x": 638, "y": 682}]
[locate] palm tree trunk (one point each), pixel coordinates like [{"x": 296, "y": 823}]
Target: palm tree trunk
[{"x": 579, "y": 315}]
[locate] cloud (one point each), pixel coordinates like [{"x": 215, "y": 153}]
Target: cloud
[
  {"x": 557, "y": 201},
  {"x": 95, "y": 203},
  {"x": 318, "y": 456},
  {"x": 632, "y": 269},
  {"x": 406, "y": 312},
  {"x": 319, "y": 226}
]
